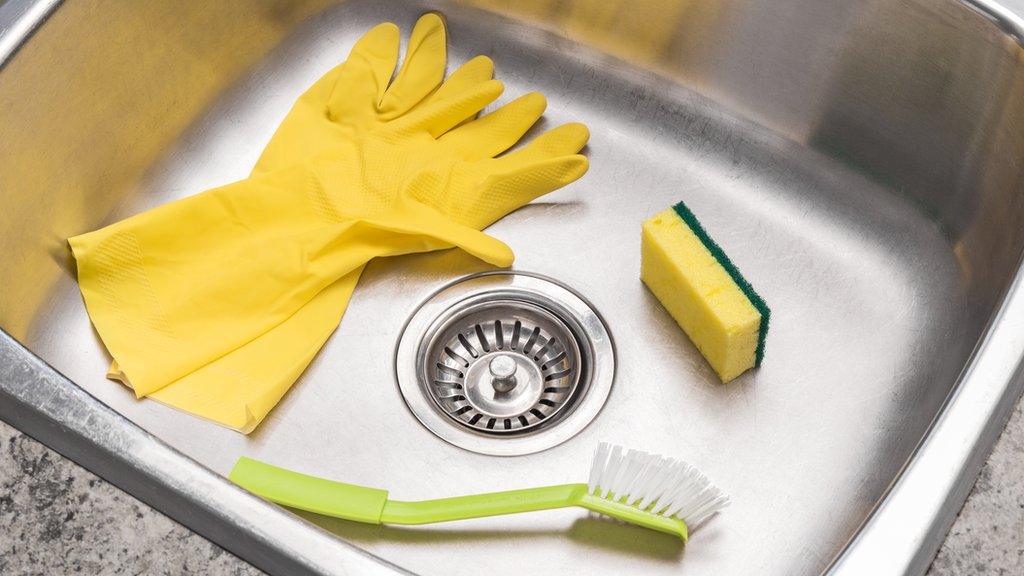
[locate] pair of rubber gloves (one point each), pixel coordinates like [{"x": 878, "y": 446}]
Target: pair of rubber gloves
[{"x": 216, "y": 303}]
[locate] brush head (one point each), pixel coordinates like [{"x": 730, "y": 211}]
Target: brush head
[{"x": 652, "y": 484}]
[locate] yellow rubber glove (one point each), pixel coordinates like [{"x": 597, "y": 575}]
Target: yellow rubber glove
[
  {"x": 230, "y": 391},
  {"x": 179, "y": 286},
  {"x": 176, "y": 287},
  {"x": 239, "y": 389}
]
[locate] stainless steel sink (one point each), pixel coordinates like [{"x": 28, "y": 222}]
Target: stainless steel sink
[{"x": 862, "y": 162}]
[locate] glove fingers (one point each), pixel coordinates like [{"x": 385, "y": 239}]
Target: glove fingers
[
  {"x": 505, "y": 192},
  {"x": 440, "y": 116},
  {"x": 561, "y": 141},
  {"x": 422, "y": 70},
  {"x": 364, "y": 77},
  {"x": 473, "y": 241},
  {"x": 418, "y": 217},
  {"x": 498, "y": 131},
  {"x": 477, "y": 71}
]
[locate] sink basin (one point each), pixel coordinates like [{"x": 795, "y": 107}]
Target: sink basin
[{"x": 860, "y": 161}]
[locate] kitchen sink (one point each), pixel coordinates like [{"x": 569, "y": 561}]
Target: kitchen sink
[{"x": 862, "y": 161}]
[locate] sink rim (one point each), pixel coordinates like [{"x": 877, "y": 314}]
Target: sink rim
[{"x": 902, "y": 532}]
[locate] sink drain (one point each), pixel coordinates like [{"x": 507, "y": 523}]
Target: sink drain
[
  {"x": 505, "y": 363},
  {"x": 503, "y": 366}
]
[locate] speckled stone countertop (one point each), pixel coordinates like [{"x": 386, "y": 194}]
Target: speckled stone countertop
[{"x": 57, "y": 518}]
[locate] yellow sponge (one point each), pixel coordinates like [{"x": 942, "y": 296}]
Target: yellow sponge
[{"x": 704, "y": 291}]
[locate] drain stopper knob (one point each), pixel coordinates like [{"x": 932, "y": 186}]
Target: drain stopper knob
[{"x": 503, "y": 373}]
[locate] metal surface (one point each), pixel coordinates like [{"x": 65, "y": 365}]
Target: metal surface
[
  {"x": 18, "y": 19},
  {"x": 860, "y": 161},
  {"x": 564, "y": 358}
]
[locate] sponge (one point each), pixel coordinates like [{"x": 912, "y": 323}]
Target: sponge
[{"x": 703, "y": 291}]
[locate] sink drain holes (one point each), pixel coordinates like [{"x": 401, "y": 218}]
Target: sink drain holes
[
  {"x": 502, "y": 366},
  {"x": 505, "y": 363}
]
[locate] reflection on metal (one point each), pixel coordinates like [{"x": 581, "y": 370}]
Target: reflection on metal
[{"x": 18, "y": 19}]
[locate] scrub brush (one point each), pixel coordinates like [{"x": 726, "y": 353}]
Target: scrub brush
[{"x": 648, "y": 490}]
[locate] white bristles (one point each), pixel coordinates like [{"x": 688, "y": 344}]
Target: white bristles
[
  {"x": 598, "y": 467},
  {"x": 654, "y": 483},
  {"x": 611, "y": 471},
  {"x": 640, "y": 469}
]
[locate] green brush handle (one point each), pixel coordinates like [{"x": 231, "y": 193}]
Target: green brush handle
[
  {"x": 371, "y": 505},
  {"x": 309, "y": 493},
  {"x": 481, "y": 505}
]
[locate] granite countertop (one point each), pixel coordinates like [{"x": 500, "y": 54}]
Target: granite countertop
[{"x": 58, "y": 518}]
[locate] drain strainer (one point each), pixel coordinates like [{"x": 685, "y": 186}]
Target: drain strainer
[
  {"x": 502, "y": 366},
  {"x": 505, "y": 363}
]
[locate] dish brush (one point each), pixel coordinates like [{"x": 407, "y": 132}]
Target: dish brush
[{"x": 649, "y": 490}]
